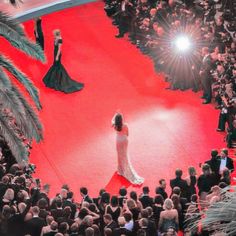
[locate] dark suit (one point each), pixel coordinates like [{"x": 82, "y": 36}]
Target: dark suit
[
  {"x": 182, "y": 184},
  {"x": 87, "y": 199},
  {"x": 229, "y": 164},
  {"x": 72, "y": 206},
  {"x": 57, "y": 213},
  {"x": 214, "y": 164},
  {"x": 113, "y": 225},
  {"x": 34, "y": 226},
  {"x": 121, "y": 231},
  {"x": 162, "y": 192},
  {"x": 146, "y": 201},
  {"x": 124, "y": 17},
  {"x": 206, "y": 79}
]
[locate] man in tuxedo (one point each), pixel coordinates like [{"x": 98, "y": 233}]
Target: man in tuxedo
[
  {"x": 35, "y": 225},
  {"x": 214, "y": 163},
  {"x": 121, "y": 230},
  {"x": 179, "y": 182},
  {"x": 111, "y": 224},
  {"x": 145, "y": 199},
  {"x": 58, "y": 211},
  {"x": 125, "y": 14},
  {"x": 85, "y": 196},
  {"x": 69, "y": 202},
  {"x": 205, "y": 75},
  {"x": 225, "y": 162},
  {"x": 161, "y": 189}
]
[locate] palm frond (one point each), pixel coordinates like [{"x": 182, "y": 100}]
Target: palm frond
[
  {"x": 33, "y": 122},
  {"x": 18, "y": 149},
  {"x": 10, "y": 100},
  {"x": 12, "y": 23},
  {"x": 21, "y": 42},
  {"x": 7, "y": 64},
  {"x": 220, "y": 216}
]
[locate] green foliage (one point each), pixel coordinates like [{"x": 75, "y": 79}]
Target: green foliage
[{"x": 26, "y": 124}]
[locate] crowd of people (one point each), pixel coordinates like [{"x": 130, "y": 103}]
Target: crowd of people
[
  {"x": 210, "y": 65},
  {"x": 27, "y": 209}
]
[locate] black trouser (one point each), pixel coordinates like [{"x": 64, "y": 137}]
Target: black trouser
[
  {"x": 206, "y": 86},
  {"x": 223, "y": 118},
  {"x": 123, "y": 23}
]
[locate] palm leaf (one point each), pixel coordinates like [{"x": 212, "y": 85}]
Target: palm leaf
[
  {"x": 220, "y": 216},
  {"x": 12, "y": 23},
  {"x": 7, "y": 64},
  {"x": 33, "y": 122},
  {"x": 18, "y": 149},
  {"x": 20, "y": 42},
  {"x": 10, "y": 100}
]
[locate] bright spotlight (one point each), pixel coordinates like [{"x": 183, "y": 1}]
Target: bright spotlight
[{"x": 182, "y": 43}]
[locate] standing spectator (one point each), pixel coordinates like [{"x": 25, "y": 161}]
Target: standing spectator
[
  {"x": 205, "y": 75},
  {"x": 205, "y": 182},
  {"x": 145, "y": 199},
  {"x": 85, "y": 196},
  {"x": 113, "y": 208},
  {"x": 225, "y": 161},
  {"x": 179, "y": 182},
  {"x": 191, "y": 181},
  {"x": 161, "y": 189},
  {"x": 35, "y": 225},
  {"x": 169, "y": 217}
]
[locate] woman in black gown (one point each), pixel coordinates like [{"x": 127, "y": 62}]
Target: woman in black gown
[
  {"x": 38, "y": 32},
  {"x": 57, "y": 78}
]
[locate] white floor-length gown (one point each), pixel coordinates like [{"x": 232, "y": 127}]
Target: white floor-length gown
[{"x": 125, "y": 167}]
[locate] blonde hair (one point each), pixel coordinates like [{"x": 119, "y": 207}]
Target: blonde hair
[{"x": 168, "y": 204}]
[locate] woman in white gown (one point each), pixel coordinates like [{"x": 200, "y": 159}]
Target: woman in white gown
[{"x": 125, "y": 168}]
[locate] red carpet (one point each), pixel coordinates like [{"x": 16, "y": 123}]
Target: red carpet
[{"x": 168, "y": 129}]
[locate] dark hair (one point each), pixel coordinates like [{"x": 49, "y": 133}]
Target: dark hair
[
  {"x": 133, "y": 195},
  {"x": 102, "y": 191},
  {"x": 144, "y": 213},
  {"x": 105, "y": 198},
  {"x": 161, "y": 180},
  {"x": 114, "y": 201},
  {"x": 92, "y": 207},
  {"x": 225, "y": 151},
  {"x": 118, "y": 122},
  {"x": 70, "y": 194},
  {"x": 159, "y": 199},
  {"x": 127, "y": 216},
  {"x": 214, "y": 153},
  {"x": 146, "y": 189},
  {"x": 82, "y": 213},
  {"x": 59, "y": 202},
  {"x": 178, "y": 173},
  {"x": 123, "y": 191},
  {"x": 84, "y": 190},
  {"x": 62, "y": 228},
  {"x": 176, "y": 190}
]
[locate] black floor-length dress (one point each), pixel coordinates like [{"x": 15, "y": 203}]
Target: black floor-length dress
[{"x": 57, "y": 78}]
